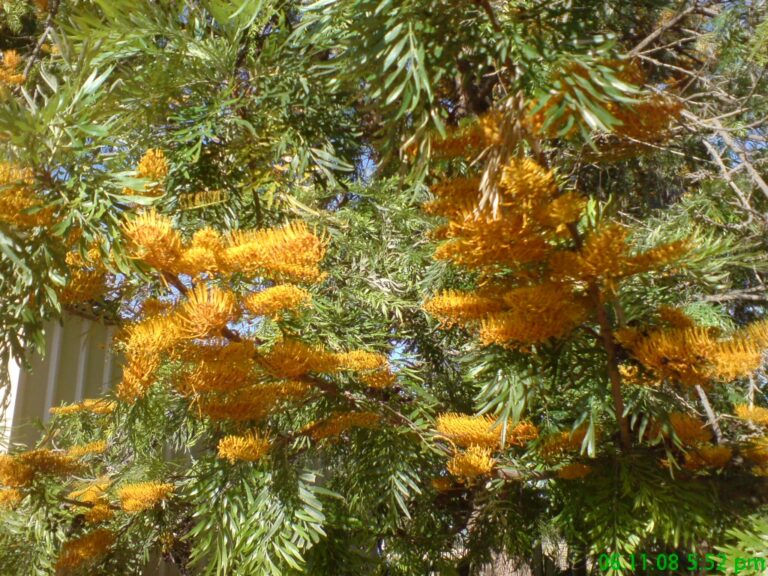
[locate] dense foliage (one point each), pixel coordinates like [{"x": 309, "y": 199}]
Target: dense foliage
[{"x": 403, "y": 287}]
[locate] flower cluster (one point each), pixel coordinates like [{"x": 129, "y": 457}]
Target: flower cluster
[
  {"x": 696, "y": 355},
  {"x": 340, "y": 422},
  {"x": 22, "y": 469},
  {"x": 83, "y": 551},
  {"x": 143, "y": 496},
  {"x": 9, "y": 69},
  {"x": 19, "y": 205},
  {"x": 471, "y": 463},
  {"x": 248, "y": 448},
  {"x": 467, "y": 430}
]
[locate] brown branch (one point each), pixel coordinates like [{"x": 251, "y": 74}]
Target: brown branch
[
  {"x": 716, "y": 126},
  {"x": 749, "y": 295},
  {"x": 728, "y": 178},
  {"x": 606, "y": 334},
  {"x": 486, "y": 5},
  {"x": 660, "y": 30},
  {"x": 54, "y": 8},
  {"x": 711, "y": 418},
  {"x": 515, "y": 475}
]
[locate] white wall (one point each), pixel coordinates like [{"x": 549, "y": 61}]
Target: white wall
[{"x": 77, "y": 364}]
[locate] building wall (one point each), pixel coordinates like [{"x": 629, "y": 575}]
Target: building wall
[{"x": 77, "y": 364}]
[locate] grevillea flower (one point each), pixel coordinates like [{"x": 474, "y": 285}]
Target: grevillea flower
[
  {"x": 84, "y": 551},
  {"x": 378, "y": 378},
  {"x": 708, "y": 456},
  {"x": 534, "y": 314},
  {"x": 290, "y": 252},
  {"x": 452, "y": 307},
  {"x": 360, "y": 360},
  {"x": 9, "y": 498},
  {"x": 153, "y": 239},
  {"x": 153, "y": 165},
  {"x": 272, "y": 301},
  {"x": 96, "y": 447},
  {"x": 468, "y": 465},
  {"x": 606, "y": 254},
  {"x": 340, "y": 422},
  {"x": 100, "y": 406},
  {"x": 9, "y": 73},
  {"x": 689, "y": 429},
  {"x": 574, "y": 471},
  {"x": 249, "y": 447},
  {"x": 565, "y": 441},
  {"x": 206, "y": 311},
  {"x": 252, "y": 402},
  {"x": 292, "y": 358},
  {"x": 756, "y": 414},
  {"x": 143, "y": 496}
]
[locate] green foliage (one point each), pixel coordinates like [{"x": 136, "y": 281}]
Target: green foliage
[{"x": 329, "y": 111}]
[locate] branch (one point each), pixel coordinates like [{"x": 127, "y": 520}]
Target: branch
[
  {"x": 711, "y": 418},
  {"x": 54, "y": 8},
  {"x": 606, "y": 333},
  {"x": 750, "y": 295},
  {"x": 659, "y": 31}
]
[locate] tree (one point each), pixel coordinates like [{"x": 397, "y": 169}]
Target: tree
[{"x": 403, "y": 287}]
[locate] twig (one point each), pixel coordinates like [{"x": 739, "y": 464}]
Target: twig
[
  {"x": 660, "y": 30},
  {"x": 54, "y": 8},
  {"x": 710, "y": 414},
  {"x": 606, "y": 333}
]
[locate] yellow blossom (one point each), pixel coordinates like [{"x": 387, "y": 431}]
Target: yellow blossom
[
  {"x": 468, "y": 430},
  {"x": 22, "y": 468},
  {"x": 96, "y": 447},
  {"x": 292, "y": 358},
  {"x": 291, "y": 252},
  {"x": 708, "y": 456},
  {"x": 689, "y": 428},
  {"x": 472, "y": 137},
  {"x": 251, "y": 403},
  {"x": 249, "y": 448},
  {"x": 534, "y": 314},
  {"x": 84, "y": 551},
  {"x": 693, "y": 355},
  {"x": 153, "y": 165},
  {"x": 138, "y": 375},
  {"x": 574, "y": 471},
  {"x": 566, "y": 441},
  {"x": 94, "y": 405},
  {"x": 454, "y": 196},
  {"x": 756, "y": 414},
  {"x": 452, "y": 307},
  {"x": 99, "y": 513},
  {"x": 340, "y": 422},
  {"x": 92, "y": 492},
  {"x": 757, "y": 451},
  {"x": 143, "y": 496},
  {"x": 378, "y": 378},
  {"x": 441, "y": 484},
  {"x": 153, "y": 239},
  {"x": 361, "y": 360},
  {"x": 272, "y": 301},
  {"x": 474, "y": 462},
  {"x": 154, "y": 335},
  {"x": 605, "y": 254},
  {"x": 18, "y": 198},
  {"x": 9, "y": 498},
  {"x": 675, "y": 317},
  {"x": 9, "y": 73},
  {"x": 206, "y": 311}
]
